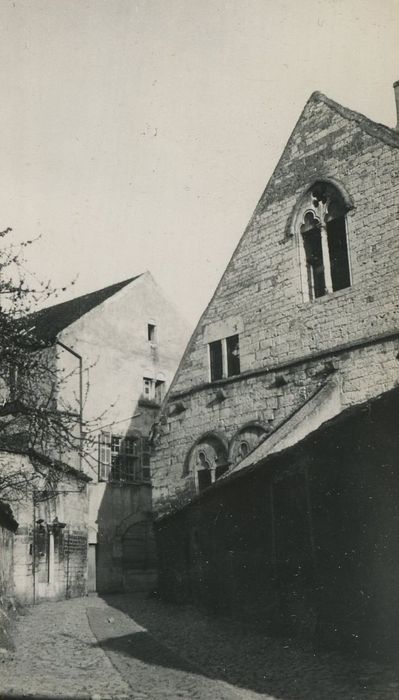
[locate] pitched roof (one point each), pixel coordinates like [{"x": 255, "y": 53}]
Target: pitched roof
[
  {"x": 17, "y": 445},
  {"x": 47, "y": 323}
]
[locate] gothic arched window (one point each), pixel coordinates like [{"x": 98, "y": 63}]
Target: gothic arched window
[{"x": 321, "y": 223}]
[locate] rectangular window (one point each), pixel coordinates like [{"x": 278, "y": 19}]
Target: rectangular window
[
  {"x": 104, "y": 456},
  {"x": 339, "y": 258},
  {"x": 159, "y": 392},
  {"x": 153, "y": 389},
  {"x": 314, "y": 263},
  {"x": 233, "y": 355},
  {"x": 224, "y": 357},
  {"x": 151, "y": 332},
  {"x": 216, "y": 360},
  {"x": 148, "y": 388},
  {"x": 123, "y": 459},
  {"x": 145, "y": 458}
]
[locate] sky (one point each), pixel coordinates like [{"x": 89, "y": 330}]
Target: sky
[{"x": 139, "y": 135}]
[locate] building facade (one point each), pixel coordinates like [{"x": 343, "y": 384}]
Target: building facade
[
  {"x": 304, "y": 321},
  {"x": 273, "y": 453},
  {"x": 44, "y": 549},
  {"x": 303, "y": 542},
  {"x": 115, "y": 352}
]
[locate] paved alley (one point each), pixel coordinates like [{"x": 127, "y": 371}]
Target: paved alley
[{"x": 142, "y": 649}]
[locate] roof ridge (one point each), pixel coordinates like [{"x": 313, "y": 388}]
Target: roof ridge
[
  {"x": 51, "y": 320},
  {"x": 120, "y": 285},
  {"x": 385, "y": 133}
]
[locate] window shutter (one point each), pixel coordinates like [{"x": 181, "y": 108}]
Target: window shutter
[
  {"x": 104, "y": 456},
  {"x": 145, "y": 458}
]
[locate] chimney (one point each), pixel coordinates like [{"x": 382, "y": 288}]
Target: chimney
[{"x": 396, "y": 89}]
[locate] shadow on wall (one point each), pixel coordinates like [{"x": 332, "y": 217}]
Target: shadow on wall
[
  {"x": 124, "y": 558},
  {"x": 8, "y": 527},
  {"x": 306, "y": 541}
]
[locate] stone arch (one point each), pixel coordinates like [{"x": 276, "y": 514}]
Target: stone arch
[
  {"x": 347, "y": 200},
  {"x": 207, "y": 459},
  {"x": 138, "y": 554},
  {"x": 131, "y": 520},
  {"x": 245, "y": 440}
]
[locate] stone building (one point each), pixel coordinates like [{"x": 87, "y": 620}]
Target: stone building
[
  {"x": 43, "y": 528},
  {"x": 8, "y": 526},
  {"x": 302, "y": 328},
  {"x": 304, "y": 320},
  {"x": 115, "y": 352},
  {"x": 303, "y": 541}
]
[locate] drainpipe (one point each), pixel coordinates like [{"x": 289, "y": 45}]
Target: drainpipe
[
  {"x": 80, "y": 360},
  {"x": 396, "y": 91},
  {"x": 34, "y": 548},
  {"x": 67, "y": 540}
]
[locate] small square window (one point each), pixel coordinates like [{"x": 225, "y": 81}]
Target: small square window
[{"x": 148, "y": 388}]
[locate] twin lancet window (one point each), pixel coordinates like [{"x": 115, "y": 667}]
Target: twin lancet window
[{"x": 323, "y": 246}]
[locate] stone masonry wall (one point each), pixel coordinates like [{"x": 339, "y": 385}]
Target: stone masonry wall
[
  {"x": 260, "y": 296},
  {"x": 116, "y": 507},
  {"x": 6, "y": 564},
  {"x": 262, "y": 282},
  {"x": 363, "y": 373},
  {"x": 51, "y": 562}
]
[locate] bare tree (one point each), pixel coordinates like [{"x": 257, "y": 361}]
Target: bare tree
[{"x": 34, "y": 418}]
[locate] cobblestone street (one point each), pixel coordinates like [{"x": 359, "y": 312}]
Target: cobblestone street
[{"x": 143, "y": 649}]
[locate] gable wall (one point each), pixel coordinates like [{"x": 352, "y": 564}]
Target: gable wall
[
  {"x": 262, "y": 283},
  {"x": 112, "y": 340},
  {"x": 260, "y": 295}
]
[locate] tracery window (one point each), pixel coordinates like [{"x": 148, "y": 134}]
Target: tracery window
[{"x": 323, "y": 241}]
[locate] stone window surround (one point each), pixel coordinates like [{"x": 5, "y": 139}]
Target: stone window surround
[
  {"x": 314, "y": 213},
  {"x": 200, "y": 449},
  {"x": 304, "y": 206},
  {"x": 225, "y": 359}
]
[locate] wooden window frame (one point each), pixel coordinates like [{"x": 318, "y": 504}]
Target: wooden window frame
[{"x": 123, "y": 458}]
